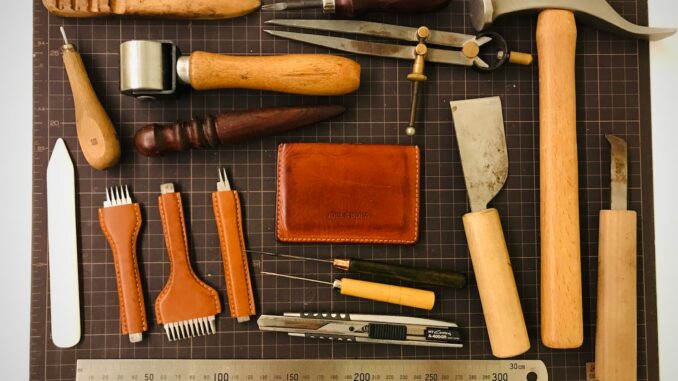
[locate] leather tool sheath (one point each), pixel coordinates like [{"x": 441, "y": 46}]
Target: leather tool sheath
[
  {"x": 121, "y": 225},
  {"x": 185, "y": 296},
  {"x": 227, "y": 212}
]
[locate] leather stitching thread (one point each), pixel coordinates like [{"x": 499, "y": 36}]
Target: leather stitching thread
[
  {"x": 170, "y": 251},
  {"x": 279, "y": 227}
]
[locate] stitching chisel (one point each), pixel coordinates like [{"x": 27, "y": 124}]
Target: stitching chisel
[
  {"x": 399, "y": 272},
  {"x": 616, "y": 321},
  {"x": 63, "y": 248}
]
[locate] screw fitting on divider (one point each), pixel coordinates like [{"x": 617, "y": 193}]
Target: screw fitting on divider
[{"x": 417, "y": 75}]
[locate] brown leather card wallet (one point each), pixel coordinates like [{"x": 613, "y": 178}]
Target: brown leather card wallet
[{"x": 348, "y": 193}]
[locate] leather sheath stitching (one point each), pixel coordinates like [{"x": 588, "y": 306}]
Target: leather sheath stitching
[
  {"x": 224, "y": 251},
  {"x": 364, "y": 239},
  {"x": 115, "y": 251},
  {"x": 170, "y": 250}
]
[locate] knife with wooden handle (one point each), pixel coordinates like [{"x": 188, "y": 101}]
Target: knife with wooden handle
[
  {"x": 479, "y": 127},
  {"x": 616, "y": 321}
]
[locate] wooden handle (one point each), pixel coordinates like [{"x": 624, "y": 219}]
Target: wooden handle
[
  {"x": 616, "y": 321},
  {"x": 229, "y": 128},
  {"x": 96, "y": 134},
  {"x": 194, "y": 9},
  {"x": 404, "y": 296},
  {"x": 353, "y": 8},
  {"x": 305, "y": 74},
  {"x": 496, "y": 284},
  {"x": 409, "y": 274},
  {"x": 562, "y": 323}
]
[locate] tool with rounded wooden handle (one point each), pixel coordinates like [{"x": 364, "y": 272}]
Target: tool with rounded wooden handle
[
  {"x": 305, "y": 74},
  {"x": 194, "y": 9},
  {"x": 616, "y": 321},
  {"x": 561, "y": 288},
  {"x": 404, "y": 296},
  {"x": 96, "y": 134},
  {"x": 496, "y": 284}
]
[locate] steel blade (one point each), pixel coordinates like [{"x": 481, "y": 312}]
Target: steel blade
[
  {"x": 366, "y": 28},
  {"x": 479, "y": 126},
  {"x": 375, "y": 48},
  {"x": 619, "y": 172},
  {"x": 63, "y": 248}
]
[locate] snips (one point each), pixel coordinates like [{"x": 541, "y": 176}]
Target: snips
[{"x": 467, "y": 50}]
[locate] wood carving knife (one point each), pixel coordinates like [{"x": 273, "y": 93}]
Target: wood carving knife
[
  {"x": 616, "y": 318},
  {"x": 479, "y": 126},
  {"x": 63, "y": 248},
  {"x": 152, "y": 69}
]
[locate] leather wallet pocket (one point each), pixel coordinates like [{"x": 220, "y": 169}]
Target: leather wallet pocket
[{"x": 348, "y": 193}]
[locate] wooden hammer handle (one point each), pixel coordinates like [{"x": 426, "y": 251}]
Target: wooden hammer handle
[
  {"x": 305, "y": 74},
  {"x": 496, "y": 284},
  {"x": 616, "y": 317},
  {"x": 96, "y": 134},
  {"x": 561, "y": 290}
]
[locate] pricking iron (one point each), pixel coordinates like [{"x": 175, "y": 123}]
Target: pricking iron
[
  {"x": 380, "y": 329},
  {"x": 186, "y": 306}
]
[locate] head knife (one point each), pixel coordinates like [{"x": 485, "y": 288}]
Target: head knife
[
  {"x": 63, "y": 248},
  {"x": 479, "y": 127}
]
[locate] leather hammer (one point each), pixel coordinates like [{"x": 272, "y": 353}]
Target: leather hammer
[{"x": 562, "y": 324}]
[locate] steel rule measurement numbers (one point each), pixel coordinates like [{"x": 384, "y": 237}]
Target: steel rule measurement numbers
[{"x": 311, "y": 370}]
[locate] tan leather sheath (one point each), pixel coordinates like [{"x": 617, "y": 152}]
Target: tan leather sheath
[
  {"x": 185, "y": 296},
  {"x": 227, "y": 213},
  {"x": 121, "y": 225}
]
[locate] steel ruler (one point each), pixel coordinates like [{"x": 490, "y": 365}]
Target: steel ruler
[{"x": 311, "y": 370}]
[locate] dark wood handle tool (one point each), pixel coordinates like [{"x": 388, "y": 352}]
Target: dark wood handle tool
[
  {"x": 229, "y": 128},
  {"x": 441, "y": 278},
  {"x": 352, "y": 8}
]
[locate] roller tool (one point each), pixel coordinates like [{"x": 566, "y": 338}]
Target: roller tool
[
  {"x": 377, "y": 329},
  {"x": 152, "y": 69},
  {"x": 228, "y": 128},
  {"x": 97, "y": 137},
  {"x": 120, "y": 220},
  {"x": 468, "y": 55},
  {"x": 403, "y": 296},
  {"x": 228, "y": 215},
  {"x": 194, "y": 9},
  {"x": 616, "y": 319},
  {"x": 64, "y": 287},
  {"x": 398, "y": 272},
  {"x": 479, "y": 128},
  {"x": 561, "y": 284},
  {"x": 187, "y": 306},
  {"x": 353, "y": 8}
]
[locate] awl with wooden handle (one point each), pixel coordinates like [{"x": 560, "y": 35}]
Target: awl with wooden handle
[
  {"x": 353, "y": 8},
  {"x": 403, "y": 296},
  {"x": 152, "y": 69},
  {"x": 97, "y": 137},
  {"x": 479, "y": 127},
  {"x": 616, "y": 321}
]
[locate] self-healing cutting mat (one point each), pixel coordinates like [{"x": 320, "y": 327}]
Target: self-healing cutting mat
[{"x": 612, "y": 97}]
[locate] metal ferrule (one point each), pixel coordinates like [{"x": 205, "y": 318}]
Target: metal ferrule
[
  {"x": 329, "y": 6},
  {"x": 341, "y": 264},
  {"x": 184, "y": 69}
]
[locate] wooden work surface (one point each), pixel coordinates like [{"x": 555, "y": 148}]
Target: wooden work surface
[{"x": 612, "y": 97}]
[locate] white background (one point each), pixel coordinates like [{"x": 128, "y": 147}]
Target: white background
[{"x": 15, "y": 184}]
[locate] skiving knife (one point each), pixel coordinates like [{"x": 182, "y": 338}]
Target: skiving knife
[
  {"x": 63, "y": 248},
  {"x": 479, "y": 126},
  {"x": 616, "y": 318}
]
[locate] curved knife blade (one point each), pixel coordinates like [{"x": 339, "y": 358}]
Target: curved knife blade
[{"x": 619, "y": 172}]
